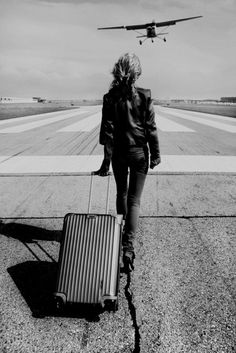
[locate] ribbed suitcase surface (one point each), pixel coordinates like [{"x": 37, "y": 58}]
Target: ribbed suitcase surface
[{"x": 89, "y": 258}]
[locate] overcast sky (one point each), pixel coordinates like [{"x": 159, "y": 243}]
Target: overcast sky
[{"x": 52, "y": 48}]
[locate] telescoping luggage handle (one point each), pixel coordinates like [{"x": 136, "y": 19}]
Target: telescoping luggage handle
[{"x": 91, "y": 190}]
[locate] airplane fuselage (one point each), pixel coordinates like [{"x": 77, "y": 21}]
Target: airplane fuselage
[{"x": 151, "y": 32}]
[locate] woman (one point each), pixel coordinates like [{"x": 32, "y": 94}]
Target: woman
[{"x": 128, "y": 133}]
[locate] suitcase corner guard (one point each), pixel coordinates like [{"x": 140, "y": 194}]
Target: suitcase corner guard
[{"x": 60, "y": 300}]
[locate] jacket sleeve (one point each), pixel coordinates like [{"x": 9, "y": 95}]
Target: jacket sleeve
[
  {"x": 107, "y": 128},
  {"x": 151, "y": 131},
  {"x": 106, "y": 133}
]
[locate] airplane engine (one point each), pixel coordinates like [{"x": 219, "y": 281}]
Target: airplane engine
[{"x": 151, "y": 32}]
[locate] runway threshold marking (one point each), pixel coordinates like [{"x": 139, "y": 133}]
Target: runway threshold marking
[
  {"x": 88, "y": 163},
  {"x": 90, "y": 122},
  {"x": 202, "y": 115},
  {"x": 41, "y": 122},
  {"x": 36, "y": 116},
  {"x": 168, "y": 125},
  {"x": 94, "y": 120},
  {"x": 204, "y": 121},
  {"x": 85, "y": 125}
]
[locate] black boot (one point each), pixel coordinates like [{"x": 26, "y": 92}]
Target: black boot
[{"x": 128, "y": 260}]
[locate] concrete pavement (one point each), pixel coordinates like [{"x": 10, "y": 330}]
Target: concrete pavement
[{"x": 181, "y": 296}]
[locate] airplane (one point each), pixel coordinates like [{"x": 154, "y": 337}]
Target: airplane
[{"x": 151, "y": 28}]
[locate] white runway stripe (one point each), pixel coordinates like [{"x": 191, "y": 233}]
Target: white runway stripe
[
  {"x": 202, "y": 115},
  {"x": 50, "y": 164},
  {"x": 85, "y": 125},
  {"x": 165, "y": 124},
  {"x": 92, "y": 121},
  {"x": 36, "y": 116},
  {"x": 39, "y": 123},
  {"x": 203, "y": 121},
  {"x": 198, "y": 163},
  {"x": 88, "y": 163}
]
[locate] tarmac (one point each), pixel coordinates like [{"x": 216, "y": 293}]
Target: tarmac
[{"x": 181, "y": 296}]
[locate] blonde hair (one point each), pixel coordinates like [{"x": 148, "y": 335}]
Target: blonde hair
[{"x": 126, "y": 70}]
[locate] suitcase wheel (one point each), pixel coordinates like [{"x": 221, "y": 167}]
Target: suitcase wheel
[
  {"x": 59, "y": 302},
  {"x": 111, "y": 305}
]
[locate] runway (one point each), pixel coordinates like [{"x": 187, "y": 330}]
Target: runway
[
  {"x": 183, "y": 285},
  {"x": 67, "y": 142}
]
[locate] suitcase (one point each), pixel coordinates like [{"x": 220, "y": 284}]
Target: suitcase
[{"x": 89, "y": 258}]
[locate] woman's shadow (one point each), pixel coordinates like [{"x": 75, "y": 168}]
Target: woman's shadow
[{"x": 36, "y": 280}]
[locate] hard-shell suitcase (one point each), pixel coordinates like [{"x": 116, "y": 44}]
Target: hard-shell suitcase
[{"x": 89, "y": 258}]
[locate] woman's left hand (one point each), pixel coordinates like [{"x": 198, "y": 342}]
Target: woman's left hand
[{"x": 155, "y": 162}]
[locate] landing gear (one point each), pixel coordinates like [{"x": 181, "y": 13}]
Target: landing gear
[
  {"x": 111, "y": 305},
  {"x": 141, "y": 41}
]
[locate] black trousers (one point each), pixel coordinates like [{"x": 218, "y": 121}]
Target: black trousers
[{"x": 133, "y": 162}]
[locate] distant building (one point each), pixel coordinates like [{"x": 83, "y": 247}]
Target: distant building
[
  {"x": 228, "y": 99},
  {"x": 18, "y": 100},
  {"x": 177, "y": 101}
]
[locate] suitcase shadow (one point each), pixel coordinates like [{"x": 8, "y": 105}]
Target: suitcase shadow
[
  {"x": 36, "y": 281},
  {"x": 28, "y": 233}
]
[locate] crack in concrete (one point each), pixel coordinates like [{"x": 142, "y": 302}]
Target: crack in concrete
[
  {"x": 151, "y": 217},
  {"x": 132, "y": 310}
]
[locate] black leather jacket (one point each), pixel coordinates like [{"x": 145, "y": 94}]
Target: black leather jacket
[{"x": 129, "y": 120}]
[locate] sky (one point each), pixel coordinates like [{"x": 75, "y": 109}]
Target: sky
[{"x": 52, "y": 48}]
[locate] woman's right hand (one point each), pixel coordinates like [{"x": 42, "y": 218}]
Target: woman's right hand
[
  {"x": 101, "y": 172},
  {"x": 104, "y": 169}
]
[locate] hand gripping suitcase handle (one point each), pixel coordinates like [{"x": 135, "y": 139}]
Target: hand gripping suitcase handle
[{"x": 91, "y": 190}]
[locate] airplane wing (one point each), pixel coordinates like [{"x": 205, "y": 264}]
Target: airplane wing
[
  {"x": 130, "y": 27},
  {"x": 117, "y": 27},
  {"x": 173, "y": 22},
  {"x": 157, "y": 24}
]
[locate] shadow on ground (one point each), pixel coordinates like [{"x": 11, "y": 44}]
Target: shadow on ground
[
  {"x": 27, "y": 233},
  {"x": 36, "y": 280}
]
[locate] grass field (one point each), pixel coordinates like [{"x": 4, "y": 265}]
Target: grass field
[{"x": 15, "y": 110}]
